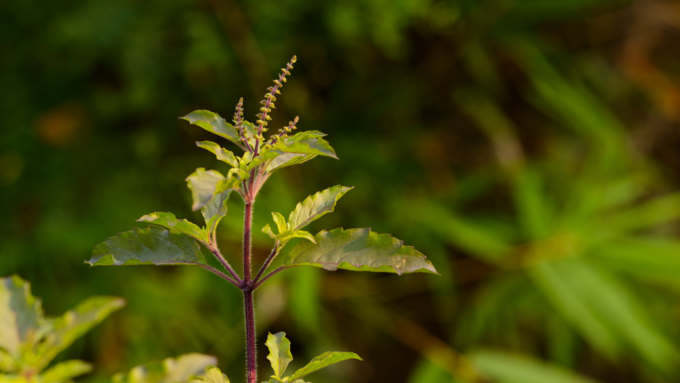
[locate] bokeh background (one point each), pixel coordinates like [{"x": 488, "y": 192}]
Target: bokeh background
[{"x": 530, "y": 148}]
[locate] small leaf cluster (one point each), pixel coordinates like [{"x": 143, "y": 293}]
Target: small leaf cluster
[
  {"x": 29, "y": 341},
  {"x": 280, "y": 356}
]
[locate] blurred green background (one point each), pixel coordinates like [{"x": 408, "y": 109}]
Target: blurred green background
[{"x": 529, "y": 148}]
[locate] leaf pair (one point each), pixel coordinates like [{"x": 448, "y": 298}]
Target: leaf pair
[
  {"x": 29, "y": 340},
  {"x": 307, "y": 211},
  {"x": 280, "y": 356}
]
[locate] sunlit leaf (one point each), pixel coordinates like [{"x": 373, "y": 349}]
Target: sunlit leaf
[
  {"x": 359, "y": 250},
  {"x": 212, "y": 375},
  {"x": 169, "y": 370},
  {"x": 510, "y": 368},
  {"x": 221, "y": 153},
  {"x": 215, "y": 210},
  {"x": 297, "y": 234},
  {"x": 324, "y": 360},
  {"x": 180, "y": 225},
  {"x": 75, "y": 323},
  {"x": 280, "y": 222},
  {"x": 213, "y": 123},
  {"x": 315, "y": 206},
  {"x": 205, "y": 185},
  {"x": 20, "y": 314},
  {"x": 151, "y": 246},
  {"x": 279, "y": 352},
  {"x": 7, "y": 362},
  {"x": 66, "y": 371}
]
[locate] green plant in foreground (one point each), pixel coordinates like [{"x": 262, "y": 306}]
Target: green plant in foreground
[
  {"x": 173, "y": 241},
  {"x": 29, "y": 341}
]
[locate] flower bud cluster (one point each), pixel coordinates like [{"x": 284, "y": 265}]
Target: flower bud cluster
[
  {"x": 269, "y": 98},
  {"x": 283, "y": 133},
  {"x": 240, "y": 127}
]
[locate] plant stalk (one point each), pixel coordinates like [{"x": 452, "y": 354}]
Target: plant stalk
[{"x": 251, "y": 347}]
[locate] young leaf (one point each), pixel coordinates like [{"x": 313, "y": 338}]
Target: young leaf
[
  {"x": 20, "y": 314},
  {"x": 151, "y": 246},
  {"x": 7, "y": 361},
  {"x": 181, "y": 225},
  {"x": 316, "y": 146},
  {"x": 359, "y": 250},
  {"x": 315, "y": 206},
  {"x": 205, "y": 185},
  {"x": 297, "y": 234},
  {"x": 221, "y": 153},
  {"x": 288, "y": 159},
  {"x": 280, "y": 222},
  {"x": 73, "y": 324},
  {"x": 324, "y": 360},
  {"x": 212, "y": 375},
  {"x": 279, "y": 352},
  {"x": 268, "y": 230},
  {"x": 169, "y": 370},
  {"x": 65, "y": 371},
  {"x": 213, "y": 123},
  {"x": 215, "y": 210}
]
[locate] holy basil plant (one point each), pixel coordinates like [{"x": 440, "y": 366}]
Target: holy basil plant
[
  {"x": 173, "y": 241},
  {"x": 29, "y": 340}
]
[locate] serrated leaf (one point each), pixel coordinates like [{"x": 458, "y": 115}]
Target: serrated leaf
[
  {"x": 169, "y": 370},
  {"x": 315, "y": 146},
  {"x": 215, "y": 210},
  {"x": 213, "y": 123},
  {"x": 359, "y": 250},
  {"x": 73, "y": 324},
  {"x": 151, "y": 246},
  {"x": 288, "y": 159},
  {"x": 324, "y": 360},
  {"x": 221, "y": 153},
  {"x": 203, "y": 185},
  {"x": 316, "y": 206},
  {"x": 181, "y": 225},
  {"x": 212, "y": 375},
  {"x": 279, "y": 352},
  {"x": 280, "y": 222},
  {"x": 20, "y": 314},
  {"x": 509, "y": 368},
  {"x": 65, "y": 371}
]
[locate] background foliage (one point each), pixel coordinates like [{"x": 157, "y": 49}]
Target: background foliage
[{"x": 529, "y": 148}]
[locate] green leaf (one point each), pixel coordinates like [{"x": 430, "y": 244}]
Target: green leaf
[
  {"x": 297, "y": 234},
  {"x": 215, "y": 210},
  {"x": 151, "y": 246},
  {"x": 315, "y": 146},
  {"x": 205, "y": 185},
  {"x": 212, "y": 375},
  {"x": 75, "y": 323},
  {"x": 324, "y": 360},
  {"x": 221, "y": 153},
  {"x": 213, "y": 123},
  {"x": 279, "y": 352},
  {"x": 65, "y": 371},
  {"x": 315, "y": 206},
  {"x": 280, "y": 222},
  {"x": 288, "y": 159},
  {"x": 509, "y": 368},
  {"x": 359, "y": 250},
  {"x": 169, "y": 370},
  {"x": 20, "y": 314},
  {"x": 181, "y": 225}
]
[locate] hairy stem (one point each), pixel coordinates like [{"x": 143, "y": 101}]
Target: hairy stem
[
  {"x": 272, "y": 255},
  {"x": 224, "y": 263},
  {"x": 251, "y": 347},
  {"x": 251, "y": 351}
]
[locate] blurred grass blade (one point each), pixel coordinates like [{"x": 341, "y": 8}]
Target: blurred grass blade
[{"x": 511, "y": 368}]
